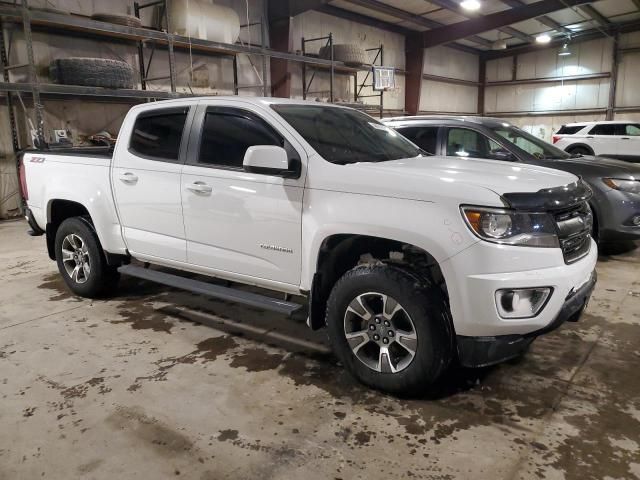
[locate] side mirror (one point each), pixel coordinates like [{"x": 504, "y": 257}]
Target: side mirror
[
  {"x": 503, "y": 155},
  {"x": 267, "y": 159}
]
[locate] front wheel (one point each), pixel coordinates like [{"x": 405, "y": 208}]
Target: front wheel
[
  {"x": 81, "y": 260},
  {"x": 389, "y": 331}
]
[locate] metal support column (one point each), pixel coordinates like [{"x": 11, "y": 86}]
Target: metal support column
[
  {"x": 263, "y": 42},
  {"x": 482, "y": 79},
  {"x": 172, "y": 57},
  {"x": 33, "y": 76},
  {"x": 235, "y": 75},
  {"x": 5, "y": 76},
  {"x": 613, "y": 86},
  {"x": 143, "y": 82},
  {"x": 333, "y": 70}
]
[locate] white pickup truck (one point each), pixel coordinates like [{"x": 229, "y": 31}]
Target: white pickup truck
[{"x": 410, "y": 260}]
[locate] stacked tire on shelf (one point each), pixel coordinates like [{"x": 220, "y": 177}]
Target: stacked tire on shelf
[
  {"x": 96, "y": 72},
  {"x": 347, "y": 53},
  {"x": 92, "y": 72}
]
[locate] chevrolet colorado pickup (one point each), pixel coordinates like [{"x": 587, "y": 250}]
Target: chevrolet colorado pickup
[{"x": 411, "y": 261}]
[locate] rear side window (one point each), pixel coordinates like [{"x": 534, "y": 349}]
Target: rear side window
[
  {"x": 228, "y": 134},
  {"x": 158, "y": 135},
  {"x": 569, "y": 129},
  {"x": 425, "y": 137},
  {"x": 632, "y": 129},
  {"x": 607, "y": 129}
]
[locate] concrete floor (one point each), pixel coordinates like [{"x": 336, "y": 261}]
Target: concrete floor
[{"x": 134, "y": 388}]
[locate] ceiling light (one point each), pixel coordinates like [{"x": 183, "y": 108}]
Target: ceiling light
[
  {"x": 564, "y": 51},
  {"x": 499, "y": 45},
  {"x": 471, "y": 5},
  {"x": 543, "y": 38}
]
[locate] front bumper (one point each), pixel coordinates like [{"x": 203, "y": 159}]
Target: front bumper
[
  {"x": 484, "y": 351},
  {"x": 616, "y": 214}
]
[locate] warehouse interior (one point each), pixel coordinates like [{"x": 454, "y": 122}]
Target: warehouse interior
[{"x": 160, "y": 383}]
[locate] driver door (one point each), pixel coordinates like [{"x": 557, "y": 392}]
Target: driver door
[{"x": 242, "y": 223}]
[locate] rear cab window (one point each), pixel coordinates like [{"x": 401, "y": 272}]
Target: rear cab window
[{"x": 157, "y": 135}]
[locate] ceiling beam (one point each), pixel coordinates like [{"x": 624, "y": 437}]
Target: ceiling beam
[
  {"x": 595, "y": 15},
  {"x": 544, "y": 19},
  {"x": 455, "y": 7},
  {"x": 380, "y": 7},
  {"x": 578, "y": 37},
  {"x": 458, "y": 31}
]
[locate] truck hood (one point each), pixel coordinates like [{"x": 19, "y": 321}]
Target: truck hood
[
  {"x": 607, "y": 167},
  {"x": 497, "y": 176}
]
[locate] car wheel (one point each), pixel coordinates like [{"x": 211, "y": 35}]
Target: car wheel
[
  {"x": 390, "y": 332},
  {"x": 579, "y": 151},
  {"x": 81, "y": 260}
]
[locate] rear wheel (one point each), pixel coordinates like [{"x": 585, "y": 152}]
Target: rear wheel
[
  {"x": 388, "y": 331},
  {"x": 579, "y": 151},
  {"x": 81, "y": 260}
]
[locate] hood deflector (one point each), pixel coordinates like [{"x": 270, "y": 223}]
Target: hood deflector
[{"x": 550, "y": 199}]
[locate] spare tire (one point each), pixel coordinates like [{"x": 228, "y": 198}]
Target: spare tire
[
  {"x": 128, "y": 20},
  {"x": 92, "y": 72},
  {"x": 347, "y": 53}
]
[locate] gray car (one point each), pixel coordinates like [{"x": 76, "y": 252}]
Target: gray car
[{"x": 615, "y": 184}]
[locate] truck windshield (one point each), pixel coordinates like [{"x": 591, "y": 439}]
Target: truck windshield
[
  {"x": 530, "y": 144},
  {"x": 343, "y": 135}
]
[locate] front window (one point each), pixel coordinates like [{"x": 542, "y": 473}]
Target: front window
[
  {"x": 463, "y": 142},
  {"x": 530, "y": 144},
  {"x": 342, "y": 135}
]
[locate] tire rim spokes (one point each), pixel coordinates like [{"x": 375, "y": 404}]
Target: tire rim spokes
[
  {"x": 75, "y": 258},
  {"x": 380, "y": 332}
]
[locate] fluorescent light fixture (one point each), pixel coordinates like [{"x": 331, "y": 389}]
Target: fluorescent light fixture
[
  {"x": 543, "y": 38},
  {"x": 564, "y": 51},
  {"x": 471, "y": 5}
]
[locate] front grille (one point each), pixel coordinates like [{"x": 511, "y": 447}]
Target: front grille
[{"x": 574, "y": 232}]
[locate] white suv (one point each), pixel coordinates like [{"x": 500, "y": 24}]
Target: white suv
[{"x": 606, "y": 139}]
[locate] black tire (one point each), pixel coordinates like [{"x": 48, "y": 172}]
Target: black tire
[
  {"x": 101, "y": 279},
  {"x": 579, "y": 151},
  {"x": 92, "y": 72},
  {"x": 347, "y": 53},
  {"x": 427, "y": 311}
]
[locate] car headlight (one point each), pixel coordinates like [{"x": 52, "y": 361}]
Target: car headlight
[
  {"x": 512, "y": 228},
  {"x": 631, "y": 186}
]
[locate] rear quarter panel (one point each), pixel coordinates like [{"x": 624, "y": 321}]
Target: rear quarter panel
[{"x": 84, "y": 180}]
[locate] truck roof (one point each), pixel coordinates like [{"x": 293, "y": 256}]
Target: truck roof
[{"x": 262, "y": 101}]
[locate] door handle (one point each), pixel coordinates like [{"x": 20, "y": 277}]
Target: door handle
[
  {"x": 128, "y": 177},
  {"x": 199, "y": 187},
  {"x": 625, "y": 138},
  {"x": 589, "y": 137}
]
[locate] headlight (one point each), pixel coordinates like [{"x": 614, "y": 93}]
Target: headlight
[
  {"x": 631, "y": 186},
  {"x": 512, "y": 228}
]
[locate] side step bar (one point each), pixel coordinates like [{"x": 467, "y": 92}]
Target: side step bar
[{"x": 211, "y": 290}]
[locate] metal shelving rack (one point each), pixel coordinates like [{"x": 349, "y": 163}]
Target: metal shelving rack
[
  {"x": 342, "y": 69},
  {"x": 65, "y": 24}
]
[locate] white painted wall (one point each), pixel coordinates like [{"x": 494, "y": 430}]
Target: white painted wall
[{"x": 446, "y": 97}]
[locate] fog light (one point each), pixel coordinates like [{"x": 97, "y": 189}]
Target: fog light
[
  {"x": 521, "y": 302},
  {"x": 636, "y": 220}
]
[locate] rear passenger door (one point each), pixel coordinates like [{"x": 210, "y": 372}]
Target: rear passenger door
[
  {"x": 629, "y": 147},
  {"x": 146, "y": 183},
  {"x": 236, "y": 222},
  {"x": 605, "y": 139}
]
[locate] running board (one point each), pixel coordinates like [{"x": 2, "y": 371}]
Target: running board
[{"x": 211, "y": 290}]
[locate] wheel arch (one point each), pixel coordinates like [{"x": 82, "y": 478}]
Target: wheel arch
[
  {"x": 338, "y": 253},
  {"x": 579, "y": 145}
]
